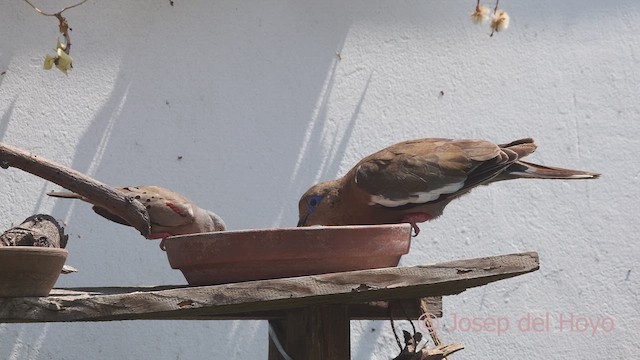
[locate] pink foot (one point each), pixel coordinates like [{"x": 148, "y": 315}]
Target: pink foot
[
  {"x": 159, "y": 236},
  {"x": 415, "y": 218}
]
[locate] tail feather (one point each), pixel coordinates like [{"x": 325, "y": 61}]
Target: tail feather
[
  {"x": 109, "y": 216},
  {"x": 522, "y": 147},
  {"x": 523, "y": 169}
]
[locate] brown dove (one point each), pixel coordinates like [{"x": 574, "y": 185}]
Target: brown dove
[
  {"x": 169, "y": 213},
  {"x": 413, "y": 181}
]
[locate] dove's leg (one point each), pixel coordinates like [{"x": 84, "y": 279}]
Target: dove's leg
[{"x": 414, "y": 219}]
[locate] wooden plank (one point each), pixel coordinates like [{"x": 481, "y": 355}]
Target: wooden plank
[
  {"x": 374, "y": 310},
  {"x": 266, "y": 295},
  {"x": 399, "y": 309}
]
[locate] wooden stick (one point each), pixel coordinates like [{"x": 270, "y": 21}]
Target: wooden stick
[
  {"x": 100, "y": 194},
  {"x": 440, "y": 351}
]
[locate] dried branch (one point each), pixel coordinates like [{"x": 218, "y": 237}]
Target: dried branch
[
  {"x": 410, "y": 351},
  {"x": 424, "y": 306},
  {"x": 439, "y": 352},
  {"x": 101, "y": 194}
]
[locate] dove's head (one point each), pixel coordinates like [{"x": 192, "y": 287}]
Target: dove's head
[{"x": 319, "y": 204}]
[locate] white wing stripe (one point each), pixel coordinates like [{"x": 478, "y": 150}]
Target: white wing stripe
[{"x": 417, "y": 198}]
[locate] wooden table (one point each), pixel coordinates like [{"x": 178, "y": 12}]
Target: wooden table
[{"x": 310, "y": 314}]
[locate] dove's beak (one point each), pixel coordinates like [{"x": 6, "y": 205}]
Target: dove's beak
[{"x": 303, "y": 220}]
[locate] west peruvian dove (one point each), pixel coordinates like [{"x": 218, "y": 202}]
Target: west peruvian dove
[
  {"x": 413, "y": 181},
  {"x": 169, "y": 213}
]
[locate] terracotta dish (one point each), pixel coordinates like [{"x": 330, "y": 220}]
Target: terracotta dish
[
  {"x": 235, "y": 256},
  {"x": 29, "y": 270}
]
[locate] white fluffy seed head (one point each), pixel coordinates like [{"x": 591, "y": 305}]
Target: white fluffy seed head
[
  {"x": 500, "y": 21},
  {"x": 480, "y": 15}
]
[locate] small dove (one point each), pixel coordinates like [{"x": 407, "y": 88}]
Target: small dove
[
  {"x": 413, "y": 181},
  {"x": 169, "y": 213}
]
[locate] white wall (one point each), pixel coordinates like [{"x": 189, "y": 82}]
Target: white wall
[{"x": 253, "y": 97}]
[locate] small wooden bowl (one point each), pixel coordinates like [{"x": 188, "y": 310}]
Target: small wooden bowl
[
  {"x": 29, "y": 270},
  {"x": 235, "y": 256}
]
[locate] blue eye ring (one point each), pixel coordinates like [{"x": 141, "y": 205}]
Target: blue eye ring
[{"x": 313, "y": 202}]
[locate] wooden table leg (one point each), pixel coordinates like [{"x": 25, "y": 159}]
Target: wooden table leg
[{"x": 314, "y": 333}]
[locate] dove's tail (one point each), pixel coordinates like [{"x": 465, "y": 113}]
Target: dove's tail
[
  {"x": 65, "y": 195},
  {"x": 98, "y": 210},
  {"x": 523, "y": 169}
]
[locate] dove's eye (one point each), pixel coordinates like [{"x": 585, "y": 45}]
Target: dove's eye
[{"x": 313, "y": 202}]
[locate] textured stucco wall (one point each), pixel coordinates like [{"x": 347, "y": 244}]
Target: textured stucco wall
[{"x": 253, "y": 97}]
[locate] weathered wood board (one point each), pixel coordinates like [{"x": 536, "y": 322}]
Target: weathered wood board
[{"x": 271, "y": 296}]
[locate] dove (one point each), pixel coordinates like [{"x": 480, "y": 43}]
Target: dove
[
  {"x": 413, "y": 181},
  {"x": 169, "y": 213}
]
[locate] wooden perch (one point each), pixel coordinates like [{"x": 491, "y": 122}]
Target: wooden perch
[
  {"x": 309, "y": 314},
  {"x": 266, "y": 295},
  {"x": 101, "y": 194}
]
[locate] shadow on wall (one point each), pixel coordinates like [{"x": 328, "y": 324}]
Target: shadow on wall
[
  {"x": 6, "y": 118},
  {"x": 218, "y": 117},
  {"x": 224, "y": 102},
  {"x": 225, "y": 118}
]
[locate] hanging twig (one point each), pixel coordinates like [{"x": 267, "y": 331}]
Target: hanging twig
[
  {"x": 57, "y": 13},
  {"x": 63, "y": 60},
  {"x": 63, "y": 26}
]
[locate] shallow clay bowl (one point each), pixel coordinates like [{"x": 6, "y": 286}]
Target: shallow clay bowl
[
  {"x": 235, "y": 256},
  {"x": 29, "y": 270}
]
